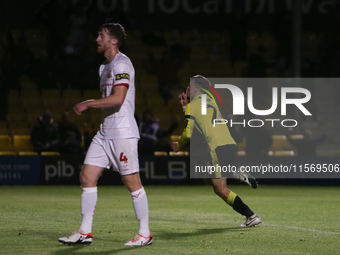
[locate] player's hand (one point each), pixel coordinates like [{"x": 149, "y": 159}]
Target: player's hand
[
  {"x": 174, "y": 147},
  {"x": 183, "y": 99},
  {"x": 82, "y": 106}
]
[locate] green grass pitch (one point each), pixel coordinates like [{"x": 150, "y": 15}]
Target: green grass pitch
[{"x": 183, "y": 220}]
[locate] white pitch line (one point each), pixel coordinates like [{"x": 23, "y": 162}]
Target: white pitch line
[
  {"x": 284, "y": 226},
  {"x": 305, "y": 229}
]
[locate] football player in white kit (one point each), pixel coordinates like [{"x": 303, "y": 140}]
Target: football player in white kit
[{"x": 115, "y": 144}]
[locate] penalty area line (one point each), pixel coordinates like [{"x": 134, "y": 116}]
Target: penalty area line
[{"x": 285, "y": 226}]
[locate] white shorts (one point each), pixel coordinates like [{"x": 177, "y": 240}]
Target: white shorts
[{"x": 121, "y": 154}]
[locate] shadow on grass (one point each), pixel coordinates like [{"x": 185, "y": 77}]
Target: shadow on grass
[
  {"x": 199, "y": 232},
  {"x": 79, "y": 249}
]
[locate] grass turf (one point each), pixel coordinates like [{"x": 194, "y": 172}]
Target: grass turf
[{"x": 183, "y": 220}]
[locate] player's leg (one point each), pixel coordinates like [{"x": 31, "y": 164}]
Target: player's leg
[
  {"x": 140, "y": 205},
  {"x": 93, "y": 166},
  {"x": 224, "y": 155},
  {"x": 127, "y": 163},
  {"x": 245, "y": 177},
  {"x": 88, "y": 179},
  {"x": 221, "y": 189}
]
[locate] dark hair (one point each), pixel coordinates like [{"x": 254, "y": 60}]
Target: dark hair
[{"x": 116, "y": 30}]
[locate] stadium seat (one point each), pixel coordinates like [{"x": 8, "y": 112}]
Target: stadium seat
[
  {"x": 283, "y": 153},
  {"x": 3, "y": 124},
  {"x": 27, "y": 153},
  {"x": 253, "y": 42},
  {"x": 50, "y": 94},
  {"x": 20, "y": 116},
  {"x": 242, "y": 146},
  {"x": 17, "y": 124},
  {"x": 279, "y": 142},
  {"x": 13, "y": 96},
  {"x": 19, "y": 131},
  {"x": 30, "y": 97},
  {"x": 5, "y": 143},
  {"x": 175, "y": 138},
  {"x": 160, "y": 153},
  {"x": 7, "y": 153},
  {"x": 91, "y": 94},
  {"x": 50, "y": 153},
  {"x": 241, "y": 153},
  {"x": 4, "y": 131},
  {"x": 22, "y": 143},
  {"x": 30, "y": 93},
  {"x": 72, "y": 94},
  {"x": 16, "y": 109},
  {"x": 180, "y": 153},
  {"x": 71, "y": 97}
]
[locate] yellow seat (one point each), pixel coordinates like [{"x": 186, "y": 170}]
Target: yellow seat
[
  {"x": 242, "y": 146},
  {"x": 28, "y": 153},
  {"x": 160, "y": 153},
  {"x": 241, "y": 153},
  {"x": 24, "y": 130},
  {"x": 7, "y": 153},
  {"x": 180, "y": 153},
  {"x": 279, "y": 143},
  {"x": 22, "y": 143},
  {"x": 11, "y": 117},
  {"x": 175, "y": 138},
  {"x": 284, "y": 153},
  {"x": 50, "y": 153},
  {"x": 5, "y": 143}
]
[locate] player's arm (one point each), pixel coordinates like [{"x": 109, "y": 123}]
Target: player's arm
[
  {"x": 185, "y": 137},
  {"x": 114, "y": 100}
]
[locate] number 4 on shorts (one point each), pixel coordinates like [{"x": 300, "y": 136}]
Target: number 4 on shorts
[{"x": 122, "y": 157}]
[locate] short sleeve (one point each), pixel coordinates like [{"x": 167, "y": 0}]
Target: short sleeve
[{"x": 122, "y": 74}]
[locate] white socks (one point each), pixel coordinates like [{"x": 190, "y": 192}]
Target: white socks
[
  {"x": 140, "y": 203},
  {"x": 88, "y": 205}
]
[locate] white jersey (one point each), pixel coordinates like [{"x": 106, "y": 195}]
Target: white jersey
[{"x": 118, "y": 122}]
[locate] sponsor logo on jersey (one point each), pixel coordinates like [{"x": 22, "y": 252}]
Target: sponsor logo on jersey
[
  {"x": 109, "y": 75},
  {"x": 122, "y": 76}
]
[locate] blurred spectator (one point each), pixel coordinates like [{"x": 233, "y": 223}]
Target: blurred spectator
[
  {"x": 151, "y": 135},
  {"x": 258, "y": 140},
  {"x": 45, "y": 134},
  {"x": 307, "y": 145},
  {"x": 70, "y": 136}
]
